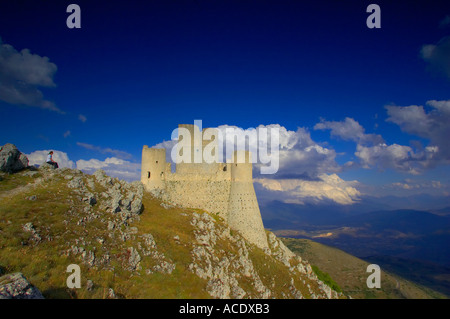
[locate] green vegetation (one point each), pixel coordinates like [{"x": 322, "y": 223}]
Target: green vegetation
[
  {"x": 12, "y": 181},
  {"x": 325, "y": 277}
]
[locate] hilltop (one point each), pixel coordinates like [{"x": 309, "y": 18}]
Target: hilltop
[{"x": 130, "y": 244}]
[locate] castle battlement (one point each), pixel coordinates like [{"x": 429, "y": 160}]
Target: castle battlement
[{"x": 225, "y": 189}]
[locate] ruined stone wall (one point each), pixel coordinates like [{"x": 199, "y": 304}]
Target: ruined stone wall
[
  {"x": 209, "y": 195},
  {"x": 244, "y": 214},
  {"x": 217, "y": 171}
]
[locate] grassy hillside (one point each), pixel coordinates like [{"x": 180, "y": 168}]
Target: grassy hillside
[
  {"x": 350, "y": 273},
  {"x": 129, "y": 244}
]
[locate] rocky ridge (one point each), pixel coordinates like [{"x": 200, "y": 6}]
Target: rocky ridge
[
  {"x": 102, "y": 230},
  {"x": 223, "y": 272}
]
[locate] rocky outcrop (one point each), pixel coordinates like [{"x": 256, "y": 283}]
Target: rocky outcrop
[
  {"x": 34, "y": 234},
  {"x": 11, "y": 159},
  {"x": 103, "y": 228},
  {"x": 224, "y": 270},
  {"x": 115, "y": 204},
  {"x": 220, "y": 268},
  {"x": 16, "y": 286},
  {"x": 46, "y": 165}
]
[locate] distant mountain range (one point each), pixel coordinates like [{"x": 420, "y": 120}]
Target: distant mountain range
[{"x": 324, "y": 213}]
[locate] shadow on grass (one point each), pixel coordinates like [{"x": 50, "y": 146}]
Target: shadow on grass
[{"x": 60, "y": 293}]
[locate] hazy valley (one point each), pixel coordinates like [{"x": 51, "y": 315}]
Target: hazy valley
[{"x": 411, "y": 243}]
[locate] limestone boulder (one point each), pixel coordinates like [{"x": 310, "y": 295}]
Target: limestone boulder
[
  {"x": 46, "y": 166},
  {"x": 11, "y": 159},
  {"x": 16, "y": 286}
]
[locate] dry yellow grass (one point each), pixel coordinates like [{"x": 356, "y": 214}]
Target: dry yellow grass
[
  {"x": 350, "y": 273},
  {"x": 56, "y": 211}
]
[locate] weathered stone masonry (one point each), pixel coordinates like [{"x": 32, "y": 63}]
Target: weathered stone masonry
[{"x": 225, "y": 189}]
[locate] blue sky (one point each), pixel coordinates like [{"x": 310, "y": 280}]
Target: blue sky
[{"x": 136, "y": 69}]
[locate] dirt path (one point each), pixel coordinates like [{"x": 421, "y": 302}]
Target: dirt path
[{"x": 21, "y": 189}]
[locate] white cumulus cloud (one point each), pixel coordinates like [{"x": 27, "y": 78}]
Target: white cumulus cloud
[
  {"x": 306, "y": 168},
  {"x": 349, "y": 130},
  {"x": 21, "y": 75},
  {"x": 40, "y": 157},
  {"x": 373, "y": 152},
  {"x": 397, "y": 157},
  {"x": 329, "y": 187},
  {"x": 112, "y": 166},
  {"x": 299, "y": 155},
  {"x": 432, "y": 125}
]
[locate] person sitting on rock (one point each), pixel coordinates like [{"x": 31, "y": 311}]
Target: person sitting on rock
[{"x": 51, "y": 161}]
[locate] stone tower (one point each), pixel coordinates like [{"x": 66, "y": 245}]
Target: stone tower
[
  {"x": 225, "y": 189},
  {"x": 153, "y": 167},
  {"x": 243, "y": 209}
]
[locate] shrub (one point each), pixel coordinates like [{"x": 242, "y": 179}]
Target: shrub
[{"x": 325, "y": 277}]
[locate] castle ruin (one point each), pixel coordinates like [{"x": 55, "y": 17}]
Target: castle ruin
[{"x": 225, "y": 189}]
